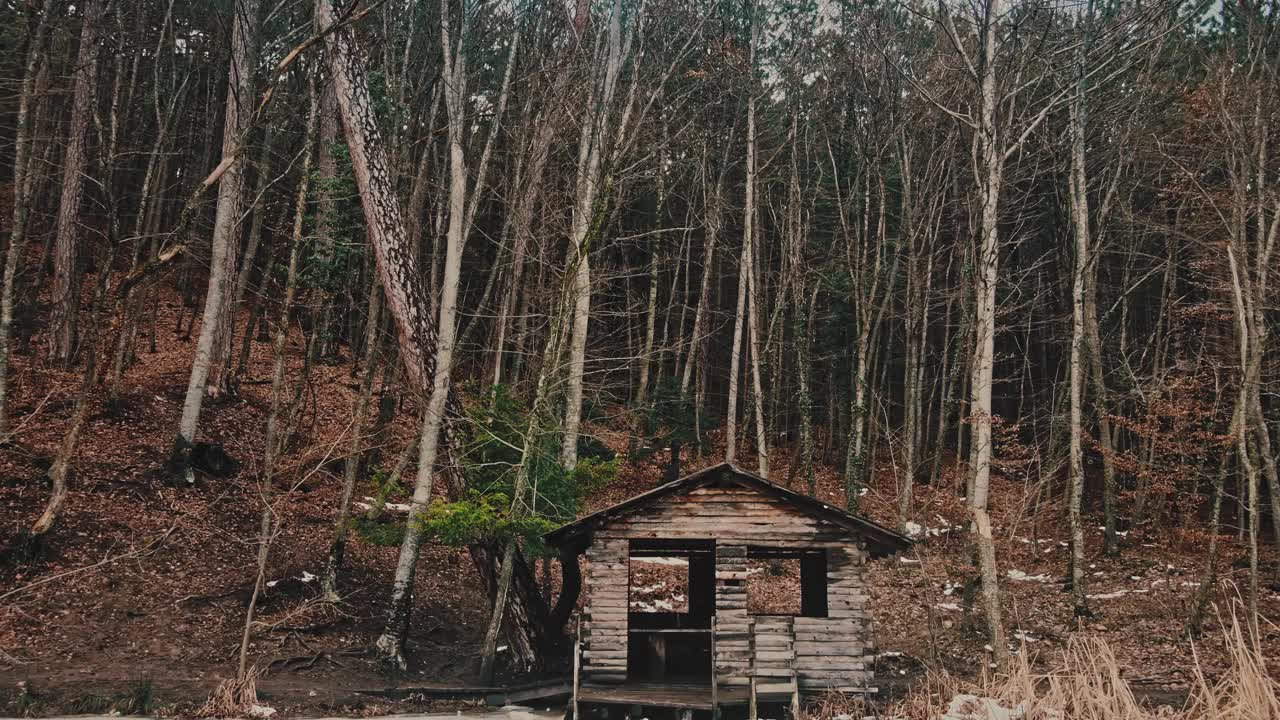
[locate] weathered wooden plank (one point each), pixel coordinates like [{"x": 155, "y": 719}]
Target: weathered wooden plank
[
  {"x": 853, "y": 631},
  {"x": 838, "y": 649},
  {"x": 773, "y": 672},
  {"x": 821, "y": 664},
  {"x": 774, "y": 655}
]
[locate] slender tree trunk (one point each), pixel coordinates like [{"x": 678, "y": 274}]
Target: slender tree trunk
[
  {"x": 590, "y": 164},
  {"x": 992, "y": 165},
  {"x": 226, "y": 238},
  {"x": 1080, "y": 222},
  {"x": 274, "y": 440},
  {"x": 748, "y": 256},
  {"x": 355, "y": 450},
  {"x": 63, "y": 323},
  {"x": 735, "y": 357},
  {"x": 390, "y": 645},
  {"x": 22, "y": 186},
  {"x": 712, "y": 219}
]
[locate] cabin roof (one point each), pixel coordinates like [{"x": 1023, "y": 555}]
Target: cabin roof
[{"x": 881, "y": 541}]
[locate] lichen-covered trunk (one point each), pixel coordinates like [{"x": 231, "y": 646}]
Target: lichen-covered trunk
[{"x": 399, "y": 272}]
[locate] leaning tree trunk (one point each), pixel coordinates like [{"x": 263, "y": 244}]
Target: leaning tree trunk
[
  {"x": 391, "y": 643},
  {"x": 216, "y": 318},
  {"x": 584, "y": 224},
  {"x": 400, "y": 275}
]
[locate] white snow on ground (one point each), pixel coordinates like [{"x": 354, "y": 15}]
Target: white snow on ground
[
  {"x": 679, "y": 561},
  {"x": 1025, "y": 636},
  {"x": 1020, "y": 576},
  {"x": 655, "y": 606},
  {"x": 393, "y": 507},
  {"x": 972, "y": 707},
  {"x": 953, "y": 607},
  {"x": 305, "y": 577},
  {"x": 915, "y": 530},
  {"x": 1116, "y": 593},
  {"x": 649, "y": 589}
]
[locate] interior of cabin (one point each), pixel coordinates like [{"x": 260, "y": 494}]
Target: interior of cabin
[{"x": 670, "y": 621}]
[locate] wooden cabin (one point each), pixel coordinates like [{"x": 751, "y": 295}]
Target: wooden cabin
[{"x": 714, "y": 652}]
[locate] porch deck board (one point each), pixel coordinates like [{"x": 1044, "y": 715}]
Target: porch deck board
[{"x": 662, "y": 695}]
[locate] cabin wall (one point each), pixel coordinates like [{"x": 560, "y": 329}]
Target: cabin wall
[
  {"x": 730, "y": 516},
  {"x": 604, "y": 634},
  {"x": 732, "y": 664},
  {"x": 836, "y": 652},
  {"x": 833, "y": 652}
]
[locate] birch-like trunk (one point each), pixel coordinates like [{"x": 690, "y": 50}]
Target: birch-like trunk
[
  {"x": 226, "y": 238},
  {"x": 390, "y": 644},
  {"x": 992, "y": 165},
  {"x": 748, "y": 253},
  {"x": 1080, "y": 221},
  {"x": 584, "y": 224}
]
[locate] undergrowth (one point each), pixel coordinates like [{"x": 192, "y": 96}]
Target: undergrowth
[{"x": 1089, "y": 685}]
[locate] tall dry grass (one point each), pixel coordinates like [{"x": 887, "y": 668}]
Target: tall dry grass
[{"x": 1089, "y": 685}]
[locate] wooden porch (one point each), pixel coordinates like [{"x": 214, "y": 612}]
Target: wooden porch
[{"x": 679, "y": 696}]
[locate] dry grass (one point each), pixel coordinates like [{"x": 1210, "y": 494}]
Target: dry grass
[
  {"x": 1089, "y": 685},
  {"x": 233, "y": 698}
]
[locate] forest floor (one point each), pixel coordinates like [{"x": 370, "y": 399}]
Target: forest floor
[{"x": 143, "y": 586}]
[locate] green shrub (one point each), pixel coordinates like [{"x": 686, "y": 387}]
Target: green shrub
[{"x": 382, "y": 534}]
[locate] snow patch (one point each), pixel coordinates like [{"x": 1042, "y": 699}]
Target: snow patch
[
  {"x": 655, "y": 606},
  {"x": 1020, "y": 576},
  {"x": 677, "y": 561},
  {"x": 1116, "y": 593}
]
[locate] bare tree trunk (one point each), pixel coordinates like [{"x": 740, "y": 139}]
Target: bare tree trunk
[
  {"x": 390, "y": 644},
  {"x": 63, "y": 323},
  {"x": 590, "y": 165},
  {"x": 22, "y": 186},
  {"x": 217, "y": 308},
  {"x": 1080, "y": 221},
  {"x": 274, "y": 439},
  {"x": 711, "y": 216},
  {"x": 992, "y": 164},
  {"x": 735, "y": 357},
  {"x": 355, "y": 450}
]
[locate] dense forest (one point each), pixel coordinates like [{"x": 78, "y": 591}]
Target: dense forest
[{"x": 387, "y": 289}]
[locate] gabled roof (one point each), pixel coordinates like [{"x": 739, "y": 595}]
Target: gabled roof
[{"x": 881, "y": 540}]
